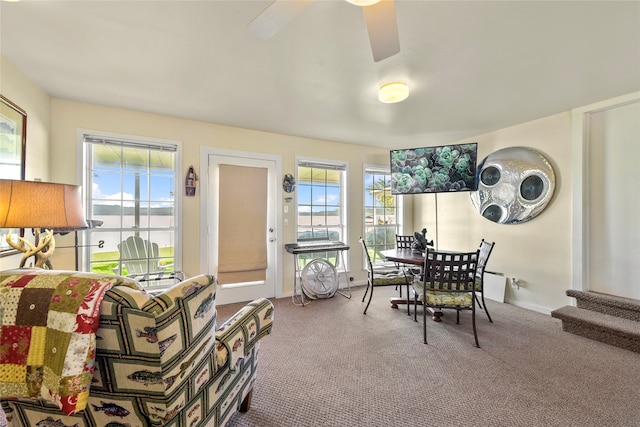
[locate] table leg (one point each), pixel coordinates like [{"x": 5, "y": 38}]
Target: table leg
[
  {"x": 395, "y": 301},
  {"x": 435, "y": 313}
]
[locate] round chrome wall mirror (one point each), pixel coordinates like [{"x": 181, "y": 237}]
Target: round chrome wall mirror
[{"x": 515, "y": 185}]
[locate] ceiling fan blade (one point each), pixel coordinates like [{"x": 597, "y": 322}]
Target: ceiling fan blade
[
  {"x": 383, "y": 29},
  {"x": 276, "y": 16}
]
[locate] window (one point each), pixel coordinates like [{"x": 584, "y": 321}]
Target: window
[
  {"x": 130, "y": 187},
  {"x": 321, "y": 203},
  {"x": 382, "y": 218}
]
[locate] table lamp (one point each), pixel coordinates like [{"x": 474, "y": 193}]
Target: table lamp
[{"x": 39, "y": 205}]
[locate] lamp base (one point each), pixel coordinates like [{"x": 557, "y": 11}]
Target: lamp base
[{"x": 42, "y": 250}]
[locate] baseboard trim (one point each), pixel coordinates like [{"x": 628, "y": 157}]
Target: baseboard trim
[{"x": 532, "y": 307}]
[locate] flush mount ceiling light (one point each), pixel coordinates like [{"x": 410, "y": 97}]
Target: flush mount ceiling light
[
  {"x": 393, "y": 92},
  {"x": 363, "y": 2}
]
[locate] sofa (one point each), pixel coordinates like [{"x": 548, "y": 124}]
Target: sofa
[{"x": 89, "y": 350}]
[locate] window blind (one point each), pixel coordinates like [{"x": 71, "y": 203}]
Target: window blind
[{"x": 129, "y": 143}]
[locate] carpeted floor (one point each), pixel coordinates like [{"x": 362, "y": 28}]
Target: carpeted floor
[{"x": 327, "y": 364}]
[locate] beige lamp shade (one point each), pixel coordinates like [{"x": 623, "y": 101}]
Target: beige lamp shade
[{"x": 32, "y": 204}]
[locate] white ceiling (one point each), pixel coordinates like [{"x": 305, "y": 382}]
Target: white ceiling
[{"x": 472, "y": 66}]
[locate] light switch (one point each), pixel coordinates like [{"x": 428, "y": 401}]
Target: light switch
[{"x": 286, "y": 209}]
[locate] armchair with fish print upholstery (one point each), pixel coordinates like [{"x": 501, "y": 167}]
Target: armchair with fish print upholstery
[{"x": 159, "y": 359}]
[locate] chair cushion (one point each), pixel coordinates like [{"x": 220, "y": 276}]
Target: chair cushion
[
  {"x": 388, "y": 277},
  {"x": 456, "y": 299},
  {"x": 443, "y": 298}
]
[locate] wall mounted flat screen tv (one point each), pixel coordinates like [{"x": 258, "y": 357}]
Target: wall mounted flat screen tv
[{"x": 440, "y": 169}]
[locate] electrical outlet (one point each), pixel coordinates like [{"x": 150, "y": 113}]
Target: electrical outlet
[{"x": 286, "y": 209}]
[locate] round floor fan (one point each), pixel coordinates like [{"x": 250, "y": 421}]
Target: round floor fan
[{"x": 319, "y": 279}]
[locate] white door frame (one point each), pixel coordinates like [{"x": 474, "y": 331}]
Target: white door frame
[
  {"x": 581, "y": 238},
  {"x": 207, "y": 229}
]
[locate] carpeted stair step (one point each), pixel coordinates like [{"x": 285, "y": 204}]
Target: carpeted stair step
[
  {"x": 626, "y": 308},
  {"x": 613, "y": 330}
]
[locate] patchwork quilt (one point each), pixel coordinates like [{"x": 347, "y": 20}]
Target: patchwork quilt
[{"x": 48, "y": 322}]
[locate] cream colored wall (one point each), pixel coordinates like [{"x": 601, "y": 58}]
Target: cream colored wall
[
  {"x": 20, "y": 90},
  {"x": 69, "y": 116},
  {"x": 537, "y": 252}
]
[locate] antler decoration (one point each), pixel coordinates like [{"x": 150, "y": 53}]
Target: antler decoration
[{"x": 45, "y": 244}]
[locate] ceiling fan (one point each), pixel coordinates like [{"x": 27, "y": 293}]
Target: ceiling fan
[{"x": 379, "y": 16}]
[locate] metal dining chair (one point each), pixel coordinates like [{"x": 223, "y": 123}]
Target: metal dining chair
[
  {"x": 381, "y": 276},
  {"x": 411, "y": 271},
  {"x": 403, "y": 241},
  {"x": 448, "y": 283},
  {"x": 483, "y": 256}
]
